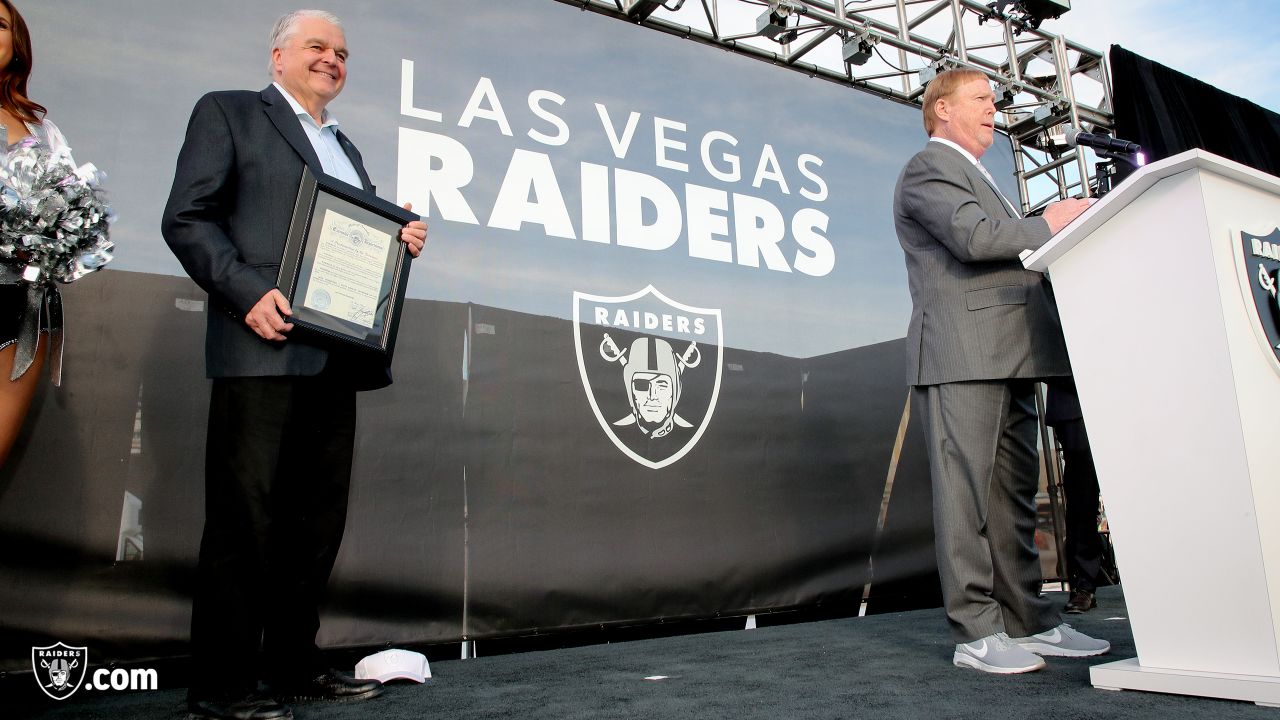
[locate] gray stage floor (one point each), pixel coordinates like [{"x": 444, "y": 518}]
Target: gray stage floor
[{"x": 883, "y": 666}]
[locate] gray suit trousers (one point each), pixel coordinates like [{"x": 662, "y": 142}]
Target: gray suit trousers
[{"x": 981, "y": 438}]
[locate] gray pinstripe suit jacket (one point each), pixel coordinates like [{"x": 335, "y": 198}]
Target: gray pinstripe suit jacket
[{"x": 977, "y": 314}]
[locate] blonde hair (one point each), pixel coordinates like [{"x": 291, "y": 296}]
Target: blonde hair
[{"x": 941, "y": 87}]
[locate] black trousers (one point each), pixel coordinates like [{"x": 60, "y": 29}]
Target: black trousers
[
  {"x": 1083, "y": 544},
  {"x": 277, "y": 476}
]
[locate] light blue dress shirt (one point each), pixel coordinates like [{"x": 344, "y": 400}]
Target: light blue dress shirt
[{"x": 324, "y": 139}]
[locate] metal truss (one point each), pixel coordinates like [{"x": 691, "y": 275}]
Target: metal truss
[{"x": 893, "y": 47}]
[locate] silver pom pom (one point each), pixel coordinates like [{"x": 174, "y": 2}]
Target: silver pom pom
[{"x": 54, "y": 219}]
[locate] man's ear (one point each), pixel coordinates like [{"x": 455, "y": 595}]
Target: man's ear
[{"x": 942, "y": 109}]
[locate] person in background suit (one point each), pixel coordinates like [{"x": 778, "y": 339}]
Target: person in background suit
[
  {"x": 282, "y": 412},
  {"x": 983, "y": 329},
  {"x": 1084, "y": 546}
]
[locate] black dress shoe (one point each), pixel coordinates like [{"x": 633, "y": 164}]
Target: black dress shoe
[
  {"x": 250, "y": 707},
  {"x": 331, "y": 685},
  {"x": 1081, "y": 601}
]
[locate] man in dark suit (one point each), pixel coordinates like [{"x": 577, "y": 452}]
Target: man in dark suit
[
  {"x": 1084, "y": 545},
  {"x": 983, "y": 330},
  {"x": 282, "y": 412}
]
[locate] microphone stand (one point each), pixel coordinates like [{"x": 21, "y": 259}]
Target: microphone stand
[
  {"x": 1103, "y": 170},
  {"x": 1106, "y": 169}
]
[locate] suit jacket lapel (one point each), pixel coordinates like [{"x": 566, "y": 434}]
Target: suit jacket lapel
[
  {"x": 1004, "y": 202},
  {"x": 283, "y": 117},
  {"x": 354, "y": 156},
  {"x": 281, "y": 114},
  {"x": 972, "y": 170}
]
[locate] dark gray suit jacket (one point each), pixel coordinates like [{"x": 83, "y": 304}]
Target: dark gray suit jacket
[
  {"x": 227, "y": 219},
  {"x": 977, "y": 314}
]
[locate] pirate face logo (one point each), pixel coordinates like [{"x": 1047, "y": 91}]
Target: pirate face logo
[
  {"x": 653, "y": 396},
  {"x": 59, "y": 669},
  {"x": 642, "y": 366},
  {"x": 1260, "y": 274},
  {"x": 651, "y": 372}
]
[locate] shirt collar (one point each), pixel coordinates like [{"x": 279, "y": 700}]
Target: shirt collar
[
  {"x": 959, "y": 149},
  {"x": 328, "y": 119}
]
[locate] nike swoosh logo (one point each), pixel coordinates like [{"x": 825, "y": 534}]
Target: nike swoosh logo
[
  {"x": 1052, "y": 637},
  {"x": 981, "y": 651}
]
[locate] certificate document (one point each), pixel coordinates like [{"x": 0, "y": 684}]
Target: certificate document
[
  {"x": 344, "y": 269},
  {"x": 346, "y": 277}
]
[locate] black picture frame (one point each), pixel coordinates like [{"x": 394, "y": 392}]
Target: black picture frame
[{"x": 330, "y": 271}]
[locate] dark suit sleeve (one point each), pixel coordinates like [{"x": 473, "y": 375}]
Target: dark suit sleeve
[
  {"x": 940, "y": 196},
  {"x": 200, "y": 203}
]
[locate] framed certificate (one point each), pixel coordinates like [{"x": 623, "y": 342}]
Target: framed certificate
[{"x": 344, "y": 269}]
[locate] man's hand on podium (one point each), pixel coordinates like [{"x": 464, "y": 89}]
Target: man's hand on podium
[{"x": 1061, "y": 213}]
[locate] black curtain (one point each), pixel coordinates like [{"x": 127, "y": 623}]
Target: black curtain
[{"x": 1168, "y": 112}]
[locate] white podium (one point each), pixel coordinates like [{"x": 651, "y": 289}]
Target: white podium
[{"x": 1181, "y": 396}]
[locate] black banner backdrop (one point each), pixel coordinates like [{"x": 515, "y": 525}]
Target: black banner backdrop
[{"x": 649, "y": 368}]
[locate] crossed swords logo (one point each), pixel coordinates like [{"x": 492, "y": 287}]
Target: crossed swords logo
[{"x": 1268, "y": 283}]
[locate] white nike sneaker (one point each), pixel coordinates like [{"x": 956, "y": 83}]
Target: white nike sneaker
[
  {"x": 996, "y": 654},
  {"x": 1063, "y": 641}
]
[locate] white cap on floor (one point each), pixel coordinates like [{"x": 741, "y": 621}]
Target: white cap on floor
[{"x": 394, "y": 664}]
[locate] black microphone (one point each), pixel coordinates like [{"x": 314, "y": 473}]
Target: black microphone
[{"x": 1106, "y": 143}]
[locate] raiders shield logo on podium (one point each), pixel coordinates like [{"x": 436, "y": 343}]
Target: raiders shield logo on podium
[{"x": 1260, "y": 276}]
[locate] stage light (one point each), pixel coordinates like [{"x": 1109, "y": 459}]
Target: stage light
[
  {"x": 1005, "y": 95},
  {"x": 771, "y": 25},
  {"x": 1036, "y": 127},
  {"x": 1040, "y": 10},
  {"x": 857, "y": 49},
  {"x": 774, "y": 23},
  {"x": 642, "y": 9},
  {"x": 930, "y": 71},
  {"x": 1049, "y": 114},
  {"x": 1030, "y": 12}
]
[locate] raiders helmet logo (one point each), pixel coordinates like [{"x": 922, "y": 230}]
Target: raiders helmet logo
[
  {"x": 651, "y": 370},
  {"x": 1260, "y": 275}
]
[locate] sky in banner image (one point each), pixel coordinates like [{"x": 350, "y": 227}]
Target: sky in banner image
[{"x": 553, "y": 150}]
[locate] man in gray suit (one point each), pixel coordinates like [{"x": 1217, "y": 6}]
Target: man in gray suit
[
  {"x": 283, "y": 407},
  {"x": 983, "y": 330}
]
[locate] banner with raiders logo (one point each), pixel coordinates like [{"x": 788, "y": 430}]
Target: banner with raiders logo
[
  {"x": 1261, "y": 277},
  {"x": 650, "y": 361}
]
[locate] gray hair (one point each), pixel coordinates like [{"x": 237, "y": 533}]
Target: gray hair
[{"x": 287, "y": 25}]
